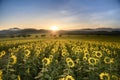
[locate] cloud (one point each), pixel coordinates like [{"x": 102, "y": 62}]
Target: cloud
[{"x": 106, "y": 17}]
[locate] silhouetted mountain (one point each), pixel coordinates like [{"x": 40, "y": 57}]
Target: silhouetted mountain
[
  {"x": 14, "y": 29},
  {"x": 97, "y": 31},
  {"x": 23, "y": 31}
]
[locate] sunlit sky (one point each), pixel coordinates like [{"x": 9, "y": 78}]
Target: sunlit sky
[{"x": 66, "y": 14}]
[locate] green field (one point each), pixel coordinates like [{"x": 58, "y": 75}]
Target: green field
[{"x": 70, "y": 57}]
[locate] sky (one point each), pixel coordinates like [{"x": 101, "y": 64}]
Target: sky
[{"x": 66, "y": 14}]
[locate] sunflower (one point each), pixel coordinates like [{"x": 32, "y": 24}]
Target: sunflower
[
  {"x": 77, "y": 52},
  {"x": 46, "y": 61},
  {"x": 69, "y": 78},
  {"x": 77, "y": 61},
  {"x": 10, "y": 50},
  {"x": 18, "y": 77},
  {"x": 51, "y": 57},
  {"x": 105, "y": 76},
  {"x": 68, "y": 59},
  {"x": 114, "y": 77},
  {"x": 86, "y": 55},
  {"x": 84, "y": 58},
  {"x": 14, "y": 59},
  {"x": 61, "y": 79},
  {"x": 1, "y": 74},
  {"x": 64, "y": 50},
  {"x": 108, "y": 51},
  {"x": 65, "y": 54},
  {"x": 98, "y": 54},
  {"x": 70, "y": 63},
  {"x": 92, "y": 61},
  {"x": 53, "y": 51},
  {"x": 27, "y": 53},
  {"x": 2, "y": 53},
  {"x": 37, "y": 53},
  {"x": 108, "y": 60}
]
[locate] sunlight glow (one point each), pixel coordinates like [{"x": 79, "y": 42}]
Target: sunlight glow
[{"x": 54, "y": 28}]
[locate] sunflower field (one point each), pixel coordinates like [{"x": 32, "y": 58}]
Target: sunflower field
[{"x": 59, "y": 59}]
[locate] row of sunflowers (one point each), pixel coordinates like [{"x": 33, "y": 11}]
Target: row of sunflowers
[{"x": 59, "y": 60}]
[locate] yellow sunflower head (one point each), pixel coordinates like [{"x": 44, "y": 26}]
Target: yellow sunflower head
[
  {"x": 68, "y": 59},
  {"x": 108, "y": 60},
  {"x": 69, "y": 78},
  {"x": 2, "y": 53},
  {"x": 18, "y": 77},
  {"x": 77, "y": 61},
  {"x": 86, "y": 55},
  {"x": 51, "y": 58},
  {"x": 85, "y": 58},
  {"x": 46, "y": 61},
  {"x": 1, "y": 74},
  {"x": 114, "y": 77},
  {"x": 53, "y": 51},
  {"x": 98, "y": 54},
  {"x": 13, "y": 59},
  {"x": 27, "y": 53},
  {"x": 70, "y": 63},
  {"x": 104, "y": 76},
  {"x": 92, "y": 61},
  {"x": 37, "y": 53},
  {"x": 65, "y": 54},
  {"x": 61, "y": 79}
]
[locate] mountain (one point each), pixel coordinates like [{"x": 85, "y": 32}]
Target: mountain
[
  {"x": 87, "y": 31},
  {"x": 14, "y": 29},
  {"x": 97, "y": 31},
  {"x": 22, "y": 31}
]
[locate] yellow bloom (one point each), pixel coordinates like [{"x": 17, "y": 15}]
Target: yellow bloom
[
  {"x": 46, "y": 61},
  {"x": 69, "y": 78},
  {"x": 108, "y": 51},
  {"x": 64, "y": 50},
  {"x": 86, "y": 55},
  {"x": 84, "y": 58},
  {"x": 98, "y": 54},
  {"x": 70, "y": 62},
  {"x": 51, "y": 57},
  {"x": 18, "y": 77},
  {"x": 68, "y": 59},
  {"x": 86, "y": 51},
  {"x": 2, "y": 53},
  {"x": 114, "y": 77},
  {"x": 65, "y": 54},
  {"x": 105, "y": 76},
  {"x": 61, "y": 79},
  {"x": 10, "y": 50},
  {"x": 37, "y": 53},
  {"x": 108, "y": 60},
  {"x": 27, "y": 53},
  {"x": 53, "y": 51},
  {"x": 1, "y": 74},
  {"x": 92, "y": 61},
  {"x": 77, "y": 60},
  {"x": 14, "y": 59}
]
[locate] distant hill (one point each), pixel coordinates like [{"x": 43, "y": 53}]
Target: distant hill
[
  {"x": 22, "y": 31},
  {"x": 97, "y": 31}
]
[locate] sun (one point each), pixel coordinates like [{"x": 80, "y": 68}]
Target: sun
[{"x": 54, "y": 28}]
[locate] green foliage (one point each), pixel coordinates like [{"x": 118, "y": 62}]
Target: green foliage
[{"x": 55, "y": 59}]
